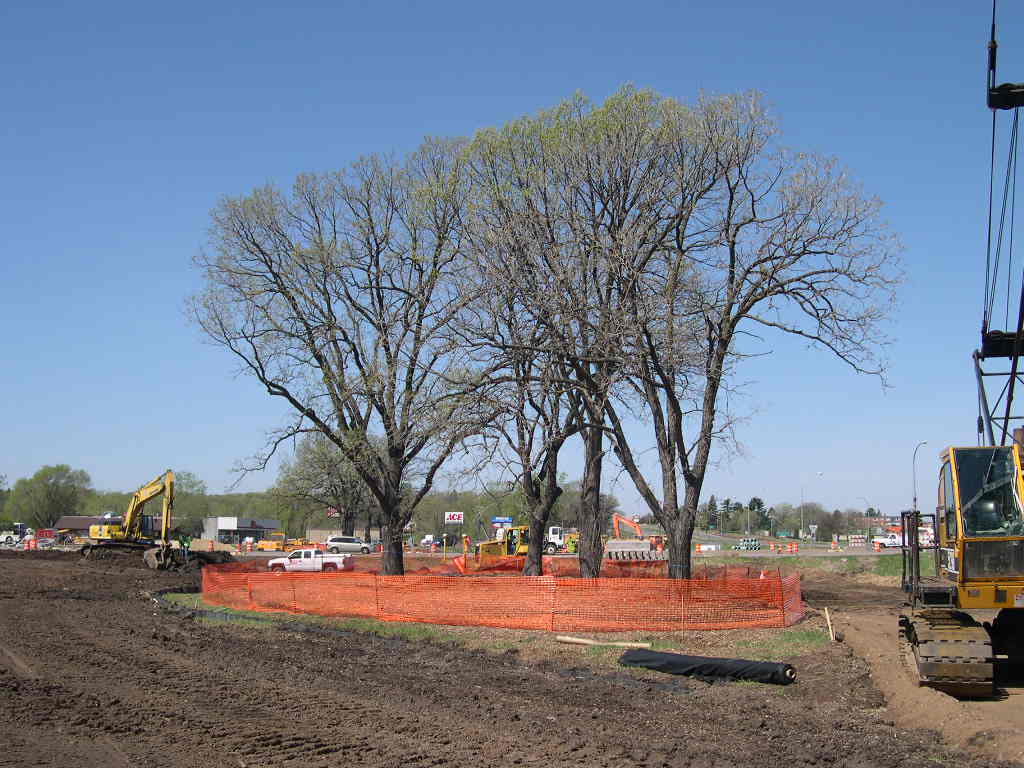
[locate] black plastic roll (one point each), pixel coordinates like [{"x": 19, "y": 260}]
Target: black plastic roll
[{"x": 708, "y": 669}]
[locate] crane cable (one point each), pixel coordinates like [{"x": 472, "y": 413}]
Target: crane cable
[{"x": 1009, "y": 201}]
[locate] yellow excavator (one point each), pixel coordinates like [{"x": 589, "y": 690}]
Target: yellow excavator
[
  {"x": 129, "y": 533},
  {"x": 978, "y": 524}
]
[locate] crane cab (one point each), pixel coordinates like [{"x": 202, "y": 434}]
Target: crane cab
[{"x": 980, "y": 522}]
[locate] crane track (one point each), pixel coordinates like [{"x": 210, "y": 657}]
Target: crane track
[{"x": 949, "y": 651}]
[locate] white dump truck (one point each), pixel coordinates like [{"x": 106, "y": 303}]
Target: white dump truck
[{"x": 310, "y": 561}]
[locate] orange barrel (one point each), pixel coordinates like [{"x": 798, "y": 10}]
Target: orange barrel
[
  {"x": 209, "y": 547},
  {"x": 878, "y": 546}
]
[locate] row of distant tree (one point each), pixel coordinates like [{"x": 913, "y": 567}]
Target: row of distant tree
[
  {"x": 728, "y": 516},
  {"x": 317, "y": 488},
  {"x": 312, "y": 491}
]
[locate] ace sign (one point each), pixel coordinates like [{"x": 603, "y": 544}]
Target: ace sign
[{"x": 453, "y": 518}]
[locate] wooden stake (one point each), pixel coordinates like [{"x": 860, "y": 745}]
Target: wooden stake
[
  {"x": 585, "y": 641},
  {"x": 831, "y": 631}
]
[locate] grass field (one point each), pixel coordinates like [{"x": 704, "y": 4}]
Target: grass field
[{"x": 887, "y": 566}]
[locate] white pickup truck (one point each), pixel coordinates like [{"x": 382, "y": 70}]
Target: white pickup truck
[
  {"x": 310, "y": 561},
  {"x": 888, "y": 540}
]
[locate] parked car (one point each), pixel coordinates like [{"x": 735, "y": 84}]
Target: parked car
[
  {"x": 337, "y": 544},
  {"x": 310, "y": 561}
]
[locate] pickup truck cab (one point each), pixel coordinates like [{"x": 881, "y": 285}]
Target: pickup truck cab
[{"x": 310, "y": 561}]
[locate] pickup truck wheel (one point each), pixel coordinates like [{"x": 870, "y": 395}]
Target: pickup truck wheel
[
  {"x": 277, "y": 568},
  {"x": 330, "y": 567},
  {"x": 365, "y": 550},
  {"x": 333, "y": 550},
  {"x": 551, "y": 549}
]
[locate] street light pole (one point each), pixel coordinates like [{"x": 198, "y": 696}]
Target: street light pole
[
  {"x": 913, "y": 471},
  {"x": 819, "y": 474},
  {"x": 800, "y": 533}
]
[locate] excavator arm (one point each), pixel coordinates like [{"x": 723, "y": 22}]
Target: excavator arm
[
  {"x": 617, "y": 519},
  {"x": 164, "y": 484}
]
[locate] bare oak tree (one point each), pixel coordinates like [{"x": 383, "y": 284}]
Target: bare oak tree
[
  {"x": 338, "y": 299},
  {"x": 767, "y": 239},
  {"x": 586, "y": 195},
  {"x": 535, "y": 412}
]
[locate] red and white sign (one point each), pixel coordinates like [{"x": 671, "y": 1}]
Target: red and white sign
[
  {"x": 332, "y": 512},
  {"x": 453, "y": 518}
]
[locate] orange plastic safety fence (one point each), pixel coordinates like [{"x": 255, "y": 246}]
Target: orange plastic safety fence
[{"x": 520, "y": 602}]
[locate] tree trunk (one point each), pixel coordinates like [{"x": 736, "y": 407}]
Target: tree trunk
[
  {"x": 535, "y": 555},
  {"x": 680, "y": 535},
  {"x": 348, "y": 523},
  {"x": 680, "y": 532},
  {"x": 392, "y": 531},
  {"x": 591, "y": 515},
  {"x": 369, "y": 522}
]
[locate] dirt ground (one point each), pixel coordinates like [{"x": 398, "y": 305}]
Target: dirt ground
[
  {"x": 94, "y": 673},
  {"x": 865, "y": 609}
]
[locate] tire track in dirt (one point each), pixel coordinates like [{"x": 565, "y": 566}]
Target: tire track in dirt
[
  {"x": 168, "y": 691},
  {"x": 15, "y": 662}
]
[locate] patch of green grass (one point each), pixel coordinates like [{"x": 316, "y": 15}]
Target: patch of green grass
[
  {"x": 788, "y": 643},
  {"x": 891, "y": 566},
  {"x": 192, "y": 600},
  {"x": 603, "y": 652},
  {"x": 411, "y": 631},
  {"x": 237, "y": 622}
]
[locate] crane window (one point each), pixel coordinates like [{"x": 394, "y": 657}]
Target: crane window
[
  {"x": 989, "y": 499},
  {"x": 948, "y": 501}
]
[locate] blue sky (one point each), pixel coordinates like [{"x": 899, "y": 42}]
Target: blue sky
[{"x": 123, "y": 123}]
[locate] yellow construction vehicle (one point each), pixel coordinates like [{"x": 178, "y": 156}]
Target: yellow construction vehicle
[
  {"x": 129, "y": 533},
  {"x": 979, "y": 565},
  {"x": 978, "y": 524},
  {"x": 514, "y": 540},
  {"x": 275, "y": 542}
]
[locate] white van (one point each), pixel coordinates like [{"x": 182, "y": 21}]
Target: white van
[{"x": 337, "y": 544}]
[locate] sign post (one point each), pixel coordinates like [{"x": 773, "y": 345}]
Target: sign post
[{"x": 450, "y": 518}]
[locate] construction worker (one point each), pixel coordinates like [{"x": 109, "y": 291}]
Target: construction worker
[{"x": 184, "y": 540}]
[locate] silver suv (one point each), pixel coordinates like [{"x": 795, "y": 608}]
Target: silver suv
[{"x": 338, "y": 544}]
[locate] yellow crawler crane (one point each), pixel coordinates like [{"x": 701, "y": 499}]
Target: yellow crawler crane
[
  {"x": 978, "y": 524},
  {"x": 979, "y": 566}
]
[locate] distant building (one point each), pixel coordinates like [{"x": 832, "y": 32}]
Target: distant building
[
  {"x": 234, "y": 530},
  {"x": 76, "y": 524}
]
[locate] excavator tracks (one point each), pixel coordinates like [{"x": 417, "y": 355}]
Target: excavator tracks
[{"x": 950, "y": 650}]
